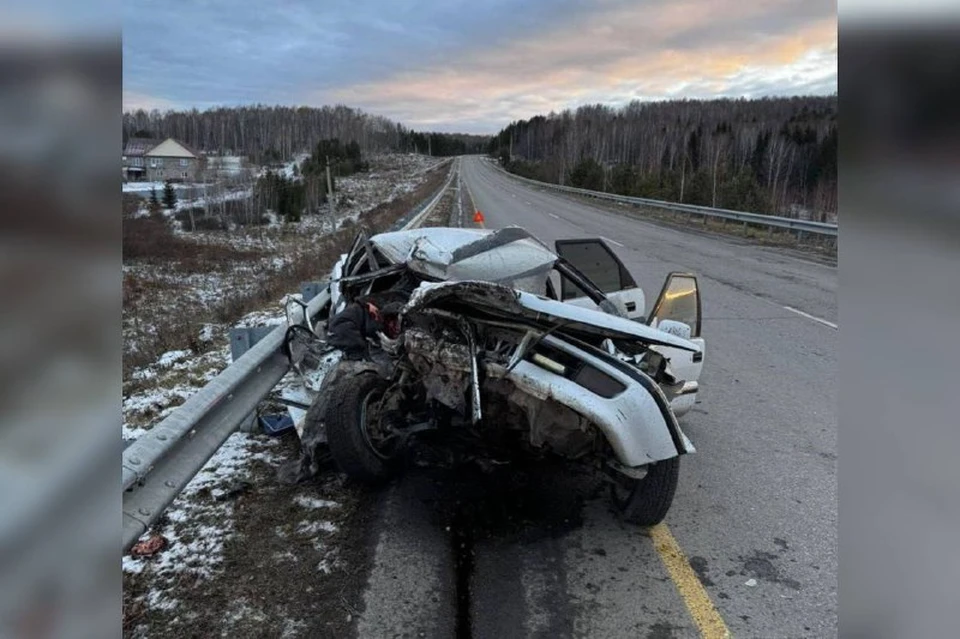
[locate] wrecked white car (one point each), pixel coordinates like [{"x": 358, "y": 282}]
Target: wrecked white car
[{"x": 493, "y": 338}]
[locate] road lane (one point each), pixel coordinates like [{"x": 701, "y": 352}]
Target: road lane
[{"x": 755, "y": 512}]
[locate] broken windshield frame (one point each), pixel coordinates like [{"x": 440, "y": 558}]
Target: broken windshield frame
[{"x": 585, "y": 284}]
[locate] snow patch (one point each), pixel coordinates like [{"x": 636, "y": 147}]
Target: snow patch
[
  {"x": 197, "y": 525},
  {"x": 146, "y": 187},
  {"x": 313, "y": 502},
  {"x": 169, "y": 358},
  {"x": 311, "y": 528},
  {"x": 206, "y": 333},
  {"x": 286, "y": 555}
]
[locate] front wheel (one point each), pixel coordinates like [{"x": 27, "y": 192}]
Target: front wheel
[
  {"x": 646, "y": 501},
  {"x": 362, "y": 442}
]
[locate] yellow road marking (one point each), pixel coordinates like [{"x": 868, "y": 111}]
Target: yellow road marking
[{"x": 696, "y": 599}]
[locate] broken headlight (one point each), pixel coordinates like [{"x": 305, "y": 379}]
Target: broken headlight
[
  {"x": 551, "y": 365},
  {"x": 598, "y": 382},
  {"x": 576, "y": 370}
]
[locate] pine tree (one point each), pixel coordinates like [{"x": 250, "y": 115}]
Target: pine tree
[
  {"x": 154, "y": 202},
  {"x": 169, "y": 196}
]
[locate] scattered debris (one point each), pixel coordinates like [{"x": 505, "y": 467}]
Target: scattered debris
[{"x": 150, "y": 546}]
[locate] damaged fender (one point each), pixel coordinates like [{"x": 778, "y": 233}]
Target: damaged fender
[
  {"x": 313, "y": 433},
  {"x": 638, "y": 422}
]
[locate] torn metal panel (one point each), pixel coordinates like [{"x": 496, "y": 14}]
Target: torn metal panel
[{"x": 507, "y": 302}]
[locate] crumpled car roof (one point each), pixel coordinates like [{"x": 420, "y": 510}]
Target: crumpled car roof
[{"x": 501, "y": 256}]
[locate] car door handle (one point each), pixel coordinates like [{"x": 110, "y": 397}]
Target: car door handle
[{"x": 631, "y": 307}]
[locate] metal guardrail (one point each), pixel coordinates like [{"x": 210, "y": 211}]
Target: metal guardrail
[
  {"x": 418, "y": 214},
  {"x": 161, "y": 462},
  {"x": 769, "y": 221}
]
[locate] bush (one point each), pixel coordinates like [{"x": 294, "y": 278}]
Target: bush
[
  {"x": 169, "y": 196},
  {"x": 285, "y": 196},
  {"x": 587, "y": 174}
]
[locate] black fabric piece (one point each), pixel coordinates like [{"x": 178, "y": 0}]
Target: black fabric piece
[{"x": 350, "y": 328}]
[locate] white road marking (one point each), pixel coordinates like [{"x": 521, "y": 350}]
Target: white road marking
[
  {"x": 556, "y": 217},
  {"x": 607, "y": 239},
  {"x": 812, "y": 317}
]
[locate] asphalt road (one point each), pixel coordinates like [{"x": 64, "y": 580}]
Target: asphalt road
[{"x": 538, "y": 553}]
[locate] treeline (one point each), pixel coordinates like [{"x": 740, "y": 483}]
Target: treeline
[
  {"x": 771, "y": 155},
  {"x": 444, "y": 144},
  {"x": 269, "y": 134},
  {"x": 309, "y": 187},
  {"x": 345, "y": 159}
]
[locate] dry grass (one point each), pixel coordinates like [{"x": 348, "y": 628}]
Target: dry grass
[{"x": 150, "y": 240}]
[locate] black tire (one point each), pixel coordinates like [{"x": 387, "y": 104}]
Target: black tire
[
  {"x": 647, "y": 500},
  {"x": 346, "y": 435}
]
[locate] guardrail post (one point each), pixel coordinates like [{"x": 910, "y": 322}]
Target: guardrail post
[
  {"x": 799, "y": 236},
  {"x": 243, "y": 339}
]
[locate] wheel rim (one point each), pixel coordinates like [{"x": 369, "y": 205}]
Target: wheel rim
[{"x": 371, "y": 426}]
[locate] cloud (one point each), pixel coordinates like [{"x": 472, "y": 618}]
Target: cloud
[
  {"x": 616, "y": 57},
  {"x": 133, "y": 100},
  {"x": 463, "y": 65}
]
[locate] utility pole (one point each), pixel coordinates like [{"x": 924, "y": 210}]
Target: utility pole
[{"x": 333, "y": 211}]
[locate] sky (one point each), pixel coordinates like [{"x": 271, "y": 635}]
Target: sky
[{"x": 472, "y": 66}]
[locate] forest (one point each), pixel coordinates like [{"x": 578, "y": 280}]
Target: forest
[
  {"x": 271, "y": 134},
  {"x": 769, "y": 155}
]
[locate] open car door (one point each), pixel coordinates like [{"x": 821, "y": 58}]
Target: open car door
[
  {"x": 600, "y": 264},
  {"x": 677, "y": 311}
]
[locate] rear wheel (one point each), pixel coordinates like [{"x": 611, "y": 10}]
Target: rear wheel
[
  {"x": 646, "y": 501},
  {"x": 362, "y": 438}
]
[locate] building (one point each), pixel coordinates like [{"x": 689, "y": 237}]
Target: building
[{"x": 159, "y": 161}]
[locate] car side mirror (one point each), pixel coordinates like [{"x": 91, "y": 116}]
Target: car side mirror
[{"x": 679, "y": 329}]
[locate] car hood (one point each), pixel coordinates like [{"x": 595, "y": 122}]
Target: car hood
[{"x": 507, "y": 303}]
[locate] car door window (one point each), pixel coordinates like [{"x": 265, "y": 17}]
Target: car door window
[
  {"x": 679, "y": 301},
  {"x": 593, "y": 258}
]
